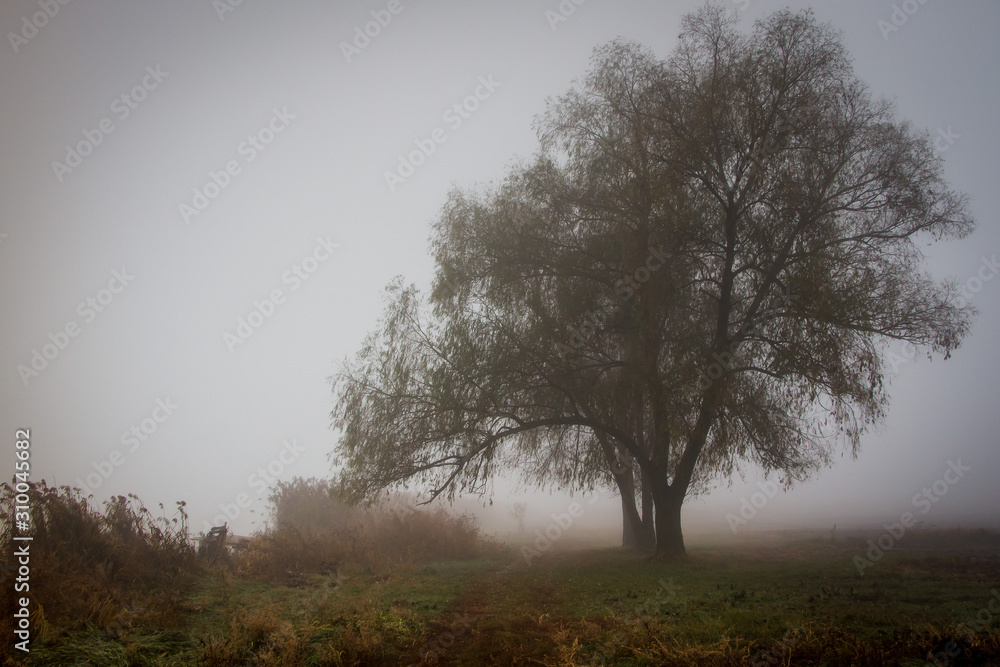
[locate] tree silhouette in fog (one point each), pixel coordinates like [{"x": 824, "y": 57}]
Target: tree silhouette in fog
[{"x": 701, "y": 271}]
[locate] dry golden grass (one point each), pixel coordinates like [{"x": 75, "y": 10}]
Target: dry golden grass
[
  {"x": 111, "y": 569},
  {"x": 256, "y": 637}
]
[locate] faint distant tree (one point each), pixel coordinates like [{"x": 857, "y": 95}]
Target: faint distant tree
[
  {"x": 517, "y": 513},
  {"x": 701, "y": 272}
]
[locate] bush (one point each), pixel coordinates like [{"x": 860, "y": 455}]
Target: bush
[
  {"x": 283, "y": 553},
  {"x": 313, "y": 532},
  {"x": 307, "y": 504},
  {"x": 109, "y": 569}
]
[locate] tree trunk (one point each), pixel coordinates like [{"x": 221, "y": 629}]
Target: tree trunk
[
  {"x": 669, "y": 539},
  {"x": 631, "y": 525},
  {"x": 648, "y": 535},
  {"x": 621, "y": 465},
  {"x": 631, "y": 521}
]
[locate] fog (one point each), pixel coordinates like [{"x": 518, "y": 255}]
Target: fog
[{"x": 198, "y": 226}]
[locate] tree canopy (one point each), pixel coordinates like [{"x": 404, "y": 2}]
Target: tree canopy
[{"x": 699, "y": 271}]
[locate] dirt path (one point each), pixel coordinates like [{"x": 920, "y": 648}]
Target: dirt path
[{"x": 502, "y": 619}]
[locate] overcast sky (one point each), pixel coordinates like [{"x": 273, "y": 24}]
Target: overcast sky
[{"x": 164, "y": 166}]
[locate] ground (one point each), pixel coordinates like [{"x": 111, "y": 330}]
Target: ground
[{"x": 789, "y": 599}]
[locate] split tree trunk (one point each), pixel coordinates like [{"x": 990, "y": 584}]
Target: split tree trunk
[
  {"x": 669, "y": 538},
  {"x": 634, "y": 535}
]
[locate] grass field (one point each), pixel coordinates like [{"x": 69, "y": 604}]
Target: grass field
[{"x": 777, "y": 601}]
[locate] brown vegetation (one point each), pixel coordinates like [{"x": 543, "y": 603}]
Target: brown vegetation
[
  {"x": 124, "y": 576},
  {"x": 314, "y": 533},
  {"x": 106, "y": 569}
]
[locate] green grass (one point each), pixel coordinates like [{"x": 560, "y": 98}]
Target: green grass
[{"x": 719, "y": 606}]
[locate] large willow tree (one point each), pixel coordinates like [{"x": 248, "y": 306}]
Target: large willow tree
[{"x": 699, "y": 273}]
